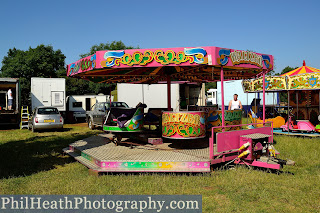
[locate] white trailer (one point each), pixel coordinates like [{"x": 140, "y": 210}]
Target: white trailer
[
  {"x": 78, "y": 105},
  {"x": 235, "y": 87},
  {"x": 155, "y": 95},
  {"x": 212, "y": 96},
  {"x": 48, "y": 92}
]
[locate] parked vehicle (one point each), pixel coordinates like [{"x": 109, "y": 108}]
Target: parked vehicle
[
  {"x": 9, "y": 116},
  {"x": 45, "y": 118},
  {"x": 99, "y": 111},
  {"x": 78, "y": 105}
]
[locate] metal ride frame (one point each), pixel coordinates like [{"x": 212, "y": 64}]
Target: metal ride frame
[{"x": 193, "y": 65}]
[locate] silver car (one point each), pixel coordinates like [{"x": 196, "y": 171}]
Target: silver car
[{"x": 45, "y": 118}]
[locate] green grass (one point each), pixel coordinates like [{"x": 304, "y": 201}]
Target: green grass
[{"x": 34, "y": 164}]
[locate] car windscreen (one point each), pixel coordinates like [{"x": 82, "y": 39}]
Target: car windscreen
[
  {"x": 48, "y": 111},
  {"x": 120, "y": 104},
  {"x": 106, "y": 105}
]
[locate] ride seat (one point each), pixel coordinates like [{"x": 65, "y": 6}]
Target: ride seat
[{"x": 119, "y": 115}]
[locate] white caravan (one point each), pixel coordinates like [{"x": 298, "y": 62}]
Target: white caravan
[{"x": 79, "y": 104}]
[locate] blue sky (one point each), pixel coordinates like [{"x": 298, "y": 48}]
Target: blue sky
[{"x": 288, "y": 30}]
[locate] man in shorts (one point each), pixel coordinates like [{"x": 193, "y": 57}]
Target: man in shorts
[{"x": 10, "y": 99}]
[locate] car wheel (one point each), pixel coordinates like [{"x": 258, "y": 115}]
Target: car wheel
[{"x": 90, "y": 124}]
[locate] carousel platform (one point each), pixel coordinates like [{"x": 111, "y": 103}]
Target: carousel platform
[
  {"x": 301, "y": 134},
  {"x": 98, "y": 153}
]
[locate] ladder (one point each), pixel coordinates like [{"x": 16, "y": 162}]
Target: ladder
[{"x": 24, "y": 117}]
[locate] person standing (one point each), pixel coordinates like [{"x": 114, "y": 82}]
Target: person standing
[
  {"x": 10, "y": 99},
  {"x": 235, "y": 103}
]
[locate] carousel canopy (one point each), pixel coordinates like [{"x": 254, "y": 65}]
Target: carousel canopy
[
  {"x": 302, "y": 70},
  {"x": 303, "y": 78},
  {"x": 195, "y": 64}
]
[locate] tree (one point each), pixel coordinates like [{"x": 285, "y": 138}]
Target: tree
[
  {"x": 115, "y": 45},
  {"x": 271, "y": 73},
  {"x": 210, "y": 85},
  {"x": 42, "y": 61},
  {"x": 79, "y": 86},
  {"x": 287, "y": 69}
]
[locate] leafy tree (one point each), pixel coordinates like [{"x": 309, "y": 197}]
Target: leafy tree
[
  {"x": 115, "y": 45},
  {"x": 210, "y": 85},
  {"x": 42, "y": 61},
  {"x": 79, "y": 86},
  {"x": 271, "y": 73},
  {"x": 287, "y": 69}
]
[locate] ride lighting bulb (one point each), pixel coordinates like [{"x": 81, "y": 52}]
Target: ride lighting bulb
[
  {"x": 60, "y": 119},
  {"x": 36, "y": 120},
  {"x": 247, "y": 152},
  {"x": 244, "y": 146}
]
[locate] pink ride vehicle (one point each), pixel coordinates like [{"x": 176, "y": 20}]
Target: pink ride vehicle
[{"x": 302, "y": 126}]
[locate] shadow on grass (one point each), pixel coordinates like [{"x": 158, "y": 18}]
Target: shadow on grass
[
  {"x": 9, "y": 127},
  {"x": 35, "y": 154},
  {"x": 55, "y": 130}
]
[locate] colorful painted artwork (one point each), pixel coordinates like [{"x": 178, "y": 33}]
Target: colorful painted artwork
[
  {"x": 162, "y": 57},
  {"x": 278, "y": 83},
  {"x": 133, "y": 125},
  {"x": 273, "y": 83},
  {"x": 181, "y": 125},
  {"x": 305, "y": 81},
  {"x": 231, "y": 117},
  {"x": 237, "y": 57},
  {"x": 247, "y": 85},
  {"x": 155, "y": 165},
  {"x": 191, "y": 55},
  {"x": 88, "y": 63},
  {"x": 145, "y": 166}
]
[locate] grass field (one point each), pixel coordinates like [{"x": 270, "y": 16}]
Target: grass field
[{"x": 33, "y": 163}]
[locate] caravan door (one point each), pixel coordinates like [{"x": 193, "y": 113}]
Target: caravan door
[{"x": 57, "y": 98}]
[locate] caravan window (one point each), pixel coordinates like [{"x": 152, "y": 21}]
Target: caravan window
[{"x": 77, "y": 104}]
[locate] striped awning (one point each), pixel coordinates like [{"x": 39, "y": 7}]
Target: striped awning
[{"x": 302, "y": 70}]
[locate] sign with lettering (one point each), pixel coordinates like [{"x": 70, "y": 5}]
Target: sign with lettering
[
  {"x": 141, "y": 58},
  {"x": 229, "y": 57},
  {"x": 231, "y": 117},
  {"x": 183, "y": 124},
  {"x": 188, "y": 56}
]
